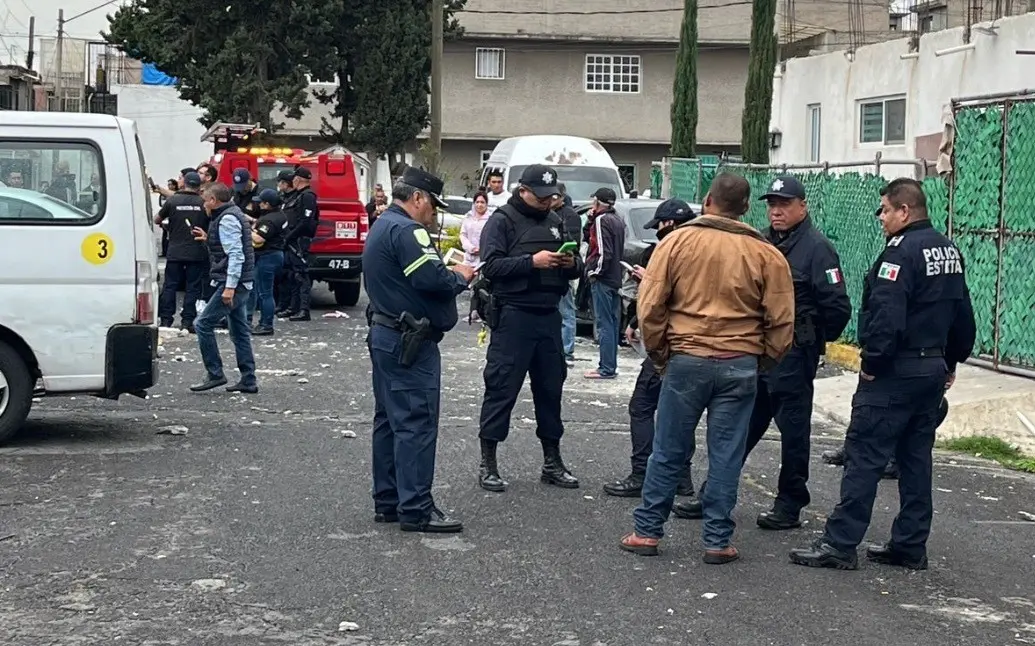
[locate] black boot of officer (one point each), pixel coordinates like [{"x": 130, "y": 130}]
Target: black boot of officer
[
  {"x": 837, "y": 456},
  {"x": 554, "y": 471}
]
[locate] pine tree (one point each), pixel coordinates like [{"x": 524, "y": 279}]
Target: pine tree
[
  {"x": 684, "y": 88},
  {"x": 758, "y": 94}
]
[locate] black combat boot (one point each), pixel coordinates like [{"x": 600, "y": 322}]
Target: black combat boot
[
  {"x": 488, "y": 473},
  {"x": 303, "y": 315},
  {"x": 554, "y": 471}
]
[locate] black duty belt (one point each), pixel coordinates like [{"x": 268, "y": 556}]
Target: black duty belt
[
  {"x": 921, "y": 353},
  {"x": 393, "y": 323}
]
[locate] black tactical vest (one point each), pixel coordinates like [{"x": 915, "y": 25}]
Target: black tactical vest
[{"x": 530, "y": 237}]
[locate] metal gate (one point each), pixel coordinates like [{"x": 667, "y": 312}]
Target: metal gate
[{"x": 992, "y": 219}]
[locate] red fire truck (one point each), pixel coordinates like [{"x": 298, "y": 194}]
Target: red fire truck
[{"x": 336, "y": 251}]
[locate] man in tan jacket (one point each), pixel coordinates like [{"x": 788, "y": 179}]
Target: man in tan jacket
[{"x": 717, "y": 302}]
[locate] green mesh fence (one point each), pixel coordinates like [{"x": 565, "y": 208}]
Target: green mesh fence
[
  {"x": 993, "y": 222},
  {"x": 841, "y": 205}
]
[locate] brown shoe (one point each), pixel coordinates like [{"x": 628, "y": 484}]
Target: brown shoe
[
  {"x": 721, "y": 557},
  {"x": 639, "y": 545}
]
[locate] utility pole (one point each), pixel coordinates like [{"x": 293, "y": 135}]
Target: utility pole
[
  {"x": 58, "y": 84},
  {"x": 435, "y": 143},
  {"x": 32, "y": 43}
]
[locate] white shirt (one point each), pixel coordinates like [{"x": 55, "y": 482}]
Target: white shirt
[{"x": 498, "y": 200}]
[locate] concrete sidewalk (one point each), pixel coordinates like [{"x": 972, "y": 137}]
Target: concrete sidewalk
[{"x": 982, "y": 402}]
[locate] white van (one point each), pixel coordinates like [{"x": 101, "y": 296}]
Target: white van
[
  {"x": 77, "y": 261},
  {"x": 582, "y": 165}
]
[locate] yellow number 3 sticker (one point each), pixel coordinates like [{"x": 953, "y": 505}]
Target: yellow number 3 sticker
[{"x": 98, "y": 249}]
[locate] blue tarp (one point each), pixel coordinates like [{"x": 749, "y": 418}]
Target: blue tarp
[{"x": 151, "y": 75}]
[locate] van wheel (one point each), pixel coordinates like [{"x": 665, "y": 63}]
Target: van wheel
[
  {"x": 346, "y": 294},
  {"x": 15, "y": 392}
]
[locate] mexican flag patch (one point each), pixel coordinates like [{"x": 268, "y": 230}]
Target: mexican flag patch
[
  {"x": 888, "y": 271},
  {"x": 833, "y": 276}
]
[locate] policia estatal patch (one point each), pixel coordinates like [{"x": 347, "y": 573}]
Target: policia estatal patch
[
  {"x": 421, "y": 234},
  {"x": 428, "y": 252}
]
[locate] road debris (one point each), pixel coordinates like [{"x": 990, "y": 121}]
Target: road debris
[
  {"x": 173, "y": 430},
  {"x": 348, "y": 627}
]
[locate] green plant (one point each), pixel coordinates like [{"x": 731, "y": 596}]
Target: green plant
[
  {"x": 758, "y": 92},
  {"x": 449, "y": 239},
  {"x": 991, "y": 448},
  {"x": 684, "y": 101}
]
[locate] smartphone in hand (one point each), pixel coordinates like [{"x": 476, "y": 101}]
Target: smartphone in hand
[{"x": 569, "y": 247}]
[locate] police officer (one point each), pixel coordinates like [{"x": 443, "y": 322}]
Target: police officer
[
  {"x": 821, "y": 312},
  {"x": 268, "y": 235},
  {"x": 644, "y": 401},
  {"x": 836, "y": 457},
  {"x": 304, "y": 212},
  {"x": 915, "y": 325},
  {"x": 282, "y": 284},
  {"x": 245, "y": 190},
  {"x": 186, "y": 259},
  {"x": 519, "y": 249},
  {"x": 412, "y": 304}
]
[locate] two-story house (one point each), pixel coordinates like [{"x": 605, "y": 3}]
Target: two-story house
[{"x": 602, "y": 69}]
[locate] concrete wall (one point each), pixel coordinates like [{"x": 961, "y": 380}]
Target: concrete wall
[
  {"x": 543, "y": 92},
  {"x": 838, "y": 83}
]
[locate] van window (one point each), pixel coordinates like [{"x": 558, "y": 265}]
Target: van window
[
  {"x": 580, "y": 181},
  {"x": 62, "y": 179},
  {"x": 268, "y": 174},
  {"x": 148, "y": 209}
]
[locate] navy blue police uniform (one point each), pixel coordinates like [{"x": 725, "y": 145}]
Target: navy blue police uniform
[
  {"x": 643, "y": 403},
  {"x": 304, "y": 215},
  {"x": 526, "y": 337},
  {"x": 283, "y": 284},
  {"x": 403, "y": 274},
  {"x": 915, "y": 325},
  {"x": 822, "y": 310}
]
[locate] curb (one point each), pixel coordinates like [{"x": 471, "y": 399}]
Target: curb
[{"x": 843, "y": 355}]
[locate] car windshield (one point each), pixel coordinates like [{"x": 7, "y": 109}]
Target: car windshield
[
  {"x": 580, "y": 181},
  {"x": 639, "y": 216}
]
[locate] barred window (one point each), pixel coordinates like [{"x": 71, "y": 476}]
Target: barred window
[
  {"x": 609, "y": 73},
  {"x": 490, "y": 63}
]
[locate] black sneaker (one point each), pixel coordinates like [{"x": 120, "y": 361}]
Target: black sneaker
[
  {"x": 262, "y": 331},
  {"x": 434, "y": 523},
  {"x": 822, "y": 554},
  {"x": 208, "y": 384},
  {"x": 777, "y": 521},
  {"x": 689, "y": 510},
  {"x": 888, "y": 555}
]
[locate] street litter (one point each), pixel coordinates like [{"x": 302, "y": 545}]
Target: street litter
[
  {"x": 1027, "y": 516},
  {"x": 348, "y": 433},
  {"x": 348, "y": 626},
  {"x": 173, "y": 430},
  {"x": 335, "y": 315},
  {"x": 709, "y": 595}
]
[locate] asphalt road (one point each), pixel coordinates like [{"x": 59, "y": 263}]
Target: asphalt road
[{"x": 256, "y": 528}]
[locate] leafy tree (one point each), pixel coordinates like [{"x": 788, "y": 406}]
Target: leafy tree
[
  {"x": 684, "y": 90},
  {"x": 234, "y": 61},
  {"x": 758, "y": 94}
]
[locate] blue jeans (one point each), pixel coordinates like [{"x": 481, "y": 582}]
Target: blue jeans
[
  {"x": 267, "y": 264},
  {"x": 240, "y": 334},
  {"x": 607, "y": 311},
  {"x": 726, "y": 389},
  {"x": 568, "y": 322}
]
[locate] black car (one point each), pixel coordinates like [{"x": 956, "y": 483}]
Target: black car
[{"x": 635, "y": 213}]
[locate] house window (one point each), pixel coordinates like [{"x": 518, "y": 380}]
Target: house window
[
  {"x": 606, "y": 73},
  {"x": 882, "y": 121},
  {"x": 628, "y": 175},
  {"x": 815, "y": 120},
  {"x": 489, "y": 63},
  {"x": 936, "y": 19},
  {"x": 485, "y": 154}
]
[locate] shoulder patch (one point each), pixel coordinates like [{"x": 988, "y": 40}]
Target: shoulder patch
[
  {"x": 888, "y": 271},
  {"x": 421, "y": 234},
  {"x": 894, "y": 242}
]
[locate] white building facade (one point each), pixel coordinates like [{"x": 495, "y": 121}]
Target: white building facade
[{"x": 843, "y": 107}]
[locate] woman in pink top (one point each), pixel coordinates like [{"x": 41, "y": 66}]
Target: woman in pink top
[{"x": 471, "y": 228}]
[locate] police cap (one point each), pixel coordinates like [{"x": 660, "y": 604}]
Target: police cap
[
  {"x": 541, "y": 180},
  {"x": 425, "y": 181},
  {"x": 786, "y": 187},
  {"x": 191, "y": 179},
  {"x": 675, "y": 210},
  {"x": 241, "y": 178},
  {"x": 303, "y": 172},
  {"x": 286, "y": 176},
  {"x": 269, "y": 196}
]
